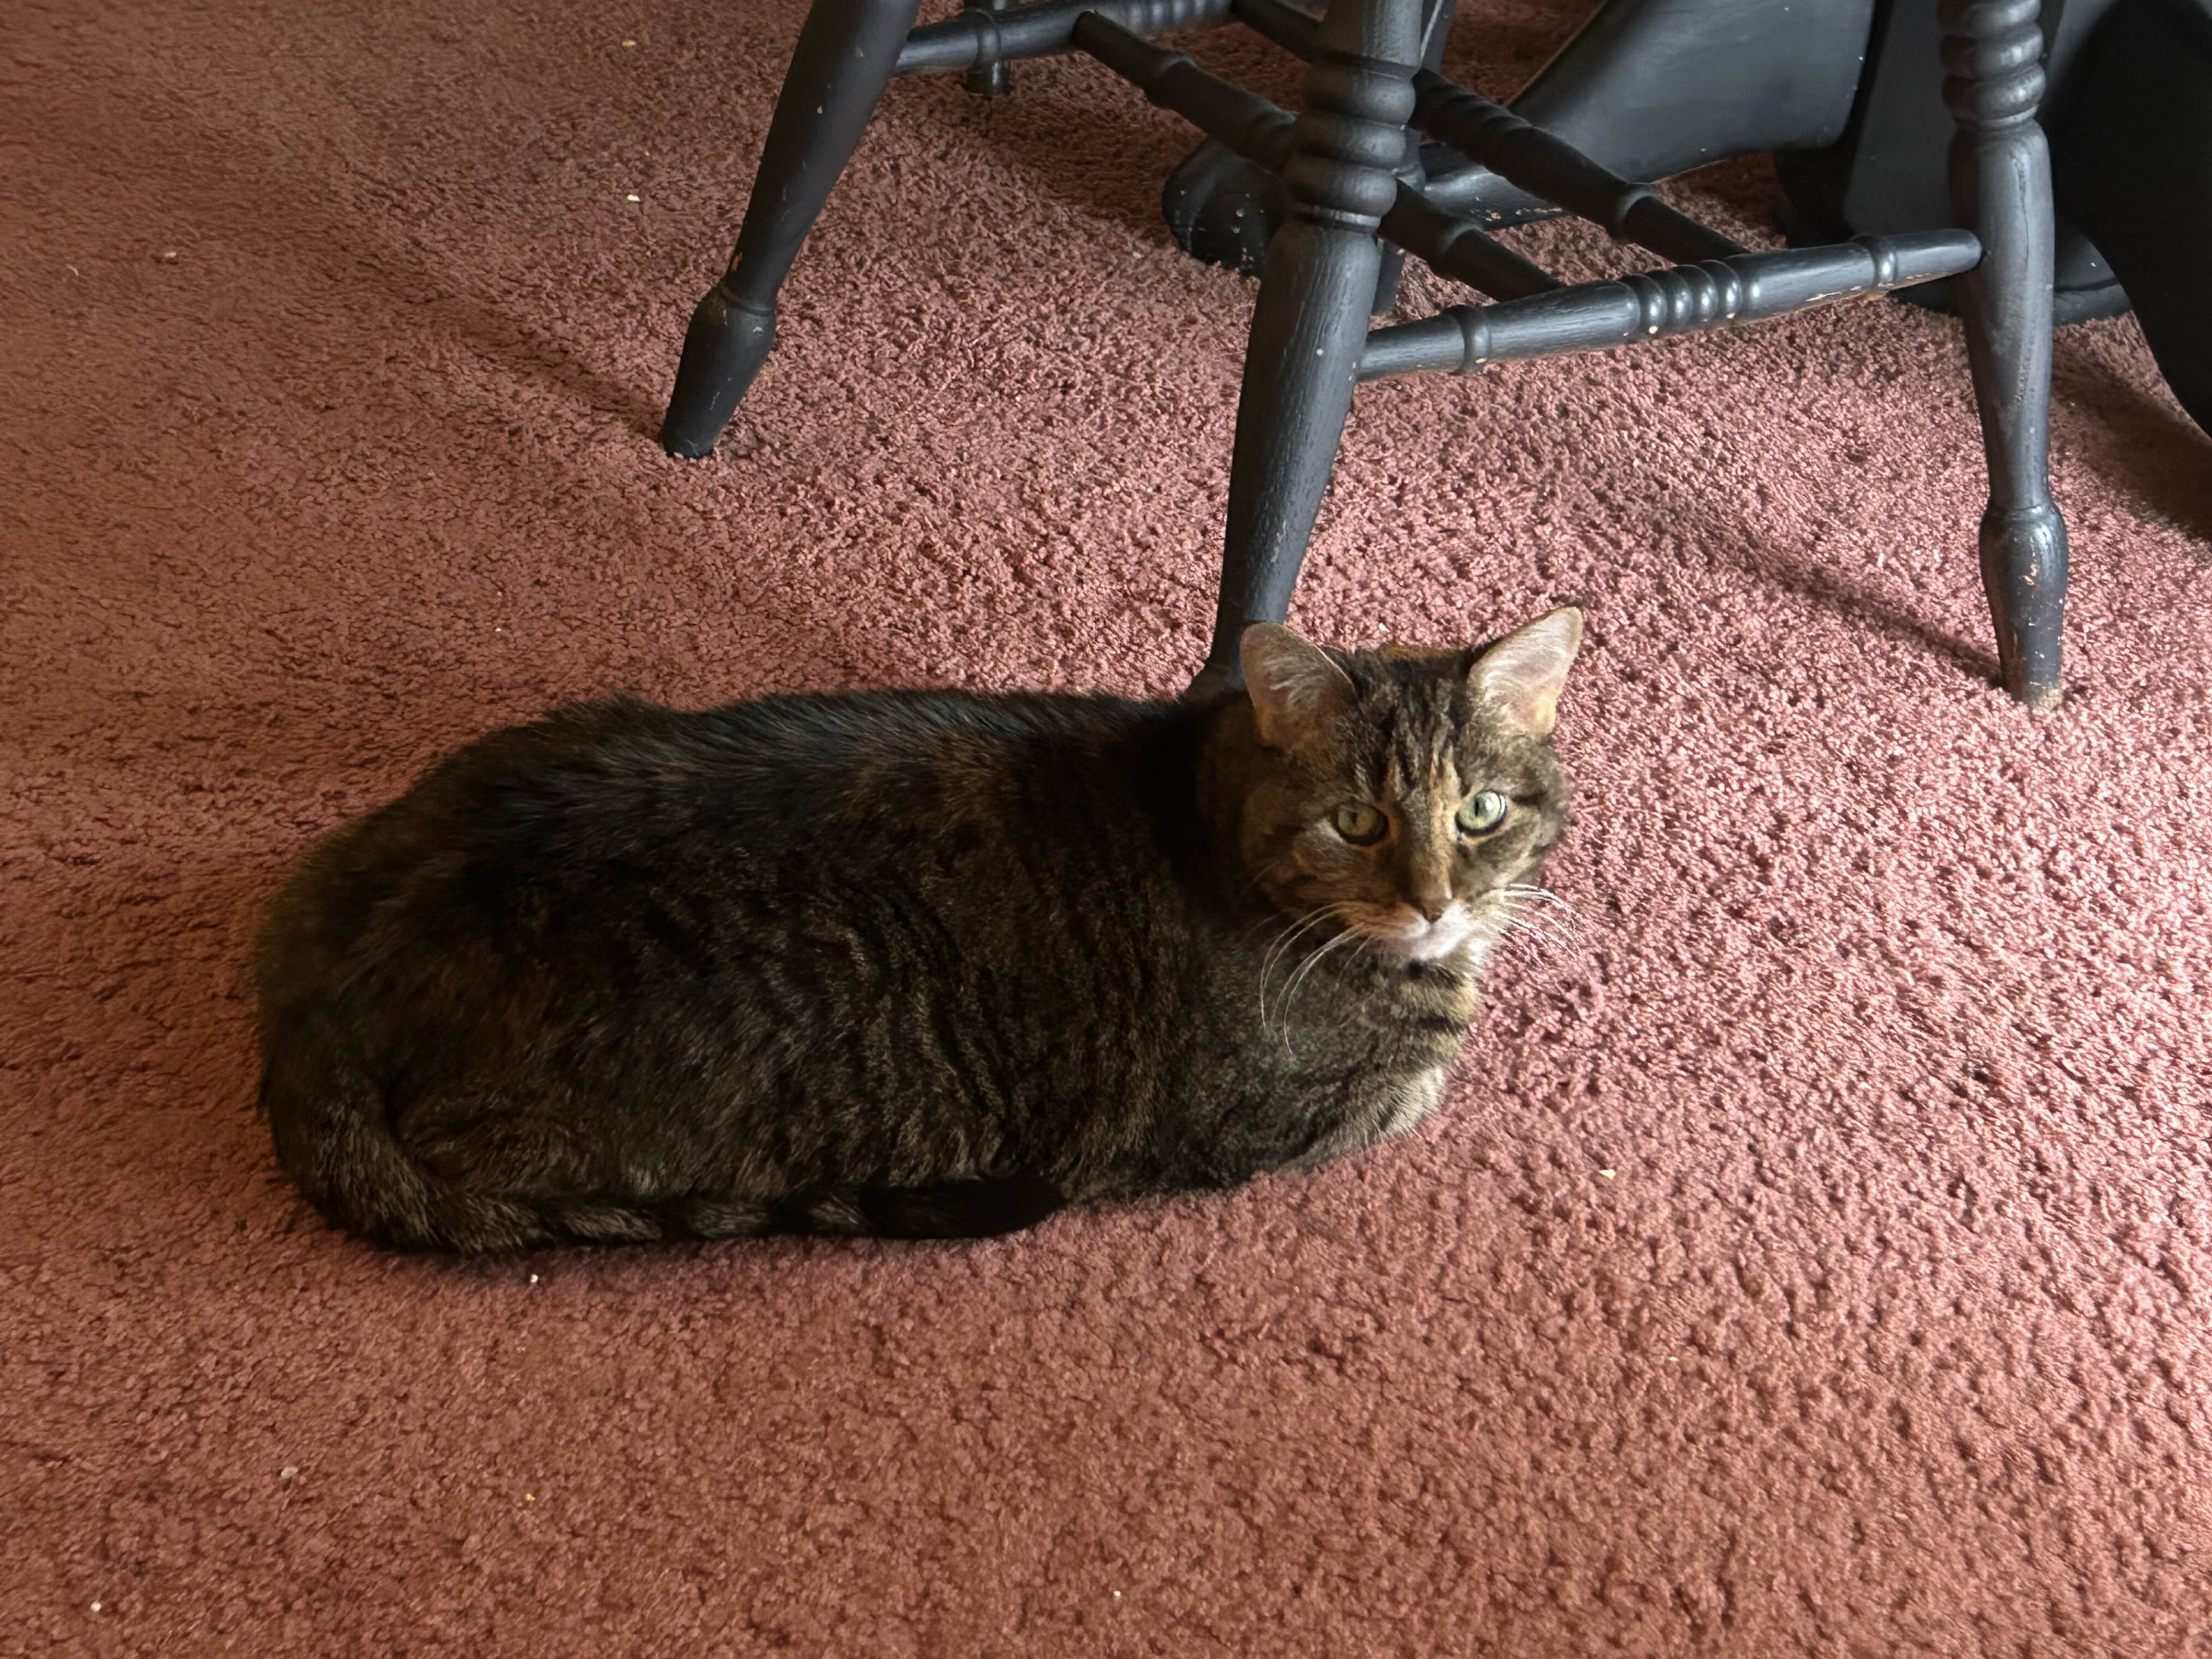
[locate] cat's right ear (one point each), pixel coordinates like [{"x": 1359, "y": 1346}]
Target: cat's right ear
[
  {"x": 1295, "y": 686},
  {"x": 1520, "y": 677}
]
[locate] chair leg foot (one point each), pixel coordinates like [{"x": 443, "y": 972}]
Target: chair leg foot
[
  {"x": 2024, "y": 573},
  {"x": 723, "y": 350}
]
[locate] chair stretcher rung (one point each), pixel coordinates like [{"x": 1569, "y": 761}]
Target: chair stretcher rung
[
  {"x": 1521, "y": 153},
  {"x": 1260, "y": 132},
  {"x": 1676, "y": 300},
  {"x": 977, "y": 37}
]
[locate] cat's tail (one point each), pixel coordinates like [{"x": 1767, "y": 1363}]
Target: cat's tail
[
  {"x": 982, "y": 1208},
  {"x": 333, "y": 1136}
]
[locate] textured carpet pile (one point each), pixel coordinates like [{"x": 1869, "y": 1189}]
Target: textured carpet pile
[{"x": 1815, "y": 1255}]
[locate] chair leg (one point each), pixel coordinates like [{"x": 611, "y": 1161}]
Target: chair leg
[
  {"x": 844, "y": 61},
  {"x": 1223, "y": 209},
  {"x": 994, "y": 80},
  {"x": 1436, "y": 30},
  {"x": 1310, "y": 320},
  {"x": 2001, "y": 190}
]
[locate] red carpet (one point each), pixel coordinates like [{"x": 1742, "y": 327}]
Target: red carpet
[{"x": 1815, "y": 1259}]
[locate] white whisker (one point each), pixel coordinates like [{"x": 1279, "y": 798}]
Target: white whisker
[
  {"x": 1522, "y": 889},
  {"x": 1290, "y": 934},
  {"x": 1538, "y": 921},
  {"x": 1561, "y": 907},
  {"x": 1538, "y": 925},
  {"x": 1305, "y": 970},
  {"x": 1330, "y": 912},
  {"x": 1560, "y": 918}
]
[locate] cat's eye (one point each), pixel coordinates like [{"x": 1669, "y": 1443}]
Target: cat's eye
[
  {"x": 1480, "y": 814},
  {"x": 1360, "y": 823}
]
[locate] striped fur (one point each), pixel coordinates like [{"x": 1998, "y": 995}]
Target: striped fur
[{"x": 917, "y": 964}]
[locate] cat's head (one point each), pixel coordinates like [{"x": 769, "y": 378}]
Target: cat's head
[{"x": 1400, "y": 794}]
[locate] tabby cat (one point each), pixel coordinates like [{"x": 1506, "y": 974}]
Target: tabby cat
[{"x": 923, "y": 964}]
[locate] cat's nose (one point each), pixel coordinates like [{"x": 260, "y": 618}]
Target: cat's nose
[{"x": 1433, "y": 905}]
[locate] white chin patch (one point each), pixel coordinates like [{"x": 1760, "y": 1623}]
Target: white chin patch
[{"x": 1431, "y": 941}]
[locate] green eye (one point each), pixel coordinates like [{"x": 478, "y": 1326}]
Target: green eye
[
  {"x": 1360, "y": 823},
  {"x": 1483, "y": 813}
]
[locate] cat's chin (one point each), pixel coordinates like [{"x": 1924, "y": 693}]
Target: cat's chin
[{"x": 1449, "y": 941}]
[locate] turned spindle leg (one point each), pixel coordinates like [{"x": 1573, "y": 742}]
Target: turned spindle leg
[
  {"x": 2001, "y": 190},
  {"x": 844, "y": 61},
  {"x": 996, "y": 78},
  {"x": 1435, "y": 30},
  {"x": 1310, "y": 321}
]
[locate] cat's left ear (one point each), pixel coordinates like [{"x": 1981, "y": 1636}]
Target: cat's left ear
[
  {"x": 1521, "y": 677},
  {"x": 1293, "y": 682}
]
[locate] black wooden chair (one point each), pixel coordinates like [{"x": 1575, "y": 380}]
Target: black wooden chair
[{"x": 1351, "y": 190}]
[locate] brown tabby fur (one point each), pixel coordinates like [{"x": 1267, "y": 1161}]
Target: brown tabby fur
[{"x": 917, "y": 963}]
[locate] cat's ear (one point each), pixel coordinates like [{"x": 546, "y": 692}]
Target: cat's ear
[
  {"x": 1293, "y": 684},
  {"x": 1520, "y": 676}
]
